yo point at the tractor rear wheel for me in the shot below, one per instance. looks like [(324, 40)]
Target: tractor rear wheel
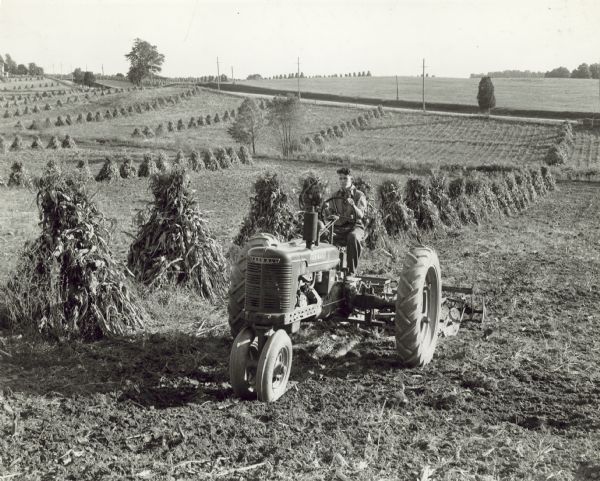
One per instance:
[(418, 307), (274, 366), (237, 286)]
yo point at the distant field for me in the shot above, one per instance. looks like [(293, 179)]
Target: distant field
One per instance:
[(538, 94), (400, 141), (586, 152), (22, 86), (115, 83), (94, 104), (422, 141), (118, 131)]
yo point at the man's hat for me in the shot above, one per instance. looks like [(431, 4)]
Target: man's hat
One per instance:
[(344, 171)]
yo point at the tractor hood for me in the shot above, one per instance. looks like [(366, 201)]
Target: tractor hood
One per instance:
[(317, 258)]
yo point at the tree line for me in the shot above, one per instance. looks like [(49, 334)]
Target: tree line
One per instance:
[(13, 68), (510, 74), (582, 71), (301, 75)]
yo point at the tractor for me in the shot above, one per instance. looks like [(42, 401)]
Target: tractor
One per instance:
[(275, 286)]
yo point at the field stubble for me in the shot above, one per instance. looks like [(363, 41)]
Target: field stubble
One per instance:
[(21, 86), (117, 132), (434, 141), (512, 399), (586, 152)]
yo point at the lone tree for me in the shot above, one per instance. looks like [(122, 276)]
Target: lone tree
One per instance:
[(485, 95), (89, 78), (144, 60), (248, 124), (285, 114), (78, 76)]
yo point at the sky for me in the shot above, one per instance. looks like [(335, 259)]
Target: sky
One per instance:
[(456, 37)]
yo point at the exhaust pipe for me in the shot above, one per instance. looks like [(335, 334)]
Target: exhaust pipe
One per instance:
[(311, 228)]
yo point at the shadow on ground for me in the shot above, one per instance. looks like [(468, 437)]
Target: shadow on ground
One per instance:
[(173, 368), (160, 370)]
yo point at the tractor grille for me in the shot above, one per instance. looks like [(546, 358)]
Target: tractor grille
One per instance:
[(268, 287)]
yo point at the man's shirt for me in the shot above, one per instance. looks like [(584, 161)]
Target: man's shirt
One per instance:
[(349, 216)]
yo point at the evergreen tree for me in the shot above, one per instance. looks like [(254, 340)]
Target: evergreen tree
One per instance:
[(485, 95)]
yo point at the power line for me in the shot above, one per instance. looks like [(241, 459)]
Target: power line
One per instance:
[(191, 20), (218, 76), (298, 78), (423, 88)]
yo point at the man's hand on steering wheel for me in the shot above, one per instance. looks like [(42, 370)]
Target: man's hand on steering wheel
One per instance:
[(325, 204), (331, 219)]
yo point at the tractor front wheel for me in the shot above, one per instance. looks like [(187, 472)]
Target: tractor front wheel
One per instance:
[(243, 362), (418, 307), (237, 286), (274, 367)]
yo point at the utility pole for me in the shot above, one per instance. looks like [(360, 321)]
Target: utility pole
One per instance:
[(299, 78), (397, 98), (423, 90), (103, 70), (218, 76), (232, 78)]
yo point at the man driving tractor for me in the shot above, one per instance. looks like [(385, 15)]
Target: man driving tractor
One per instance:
[(278, 285), (349, 205)]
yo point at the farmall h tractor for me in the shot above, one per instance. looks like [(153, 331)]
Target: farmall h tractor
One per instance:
[(276, 286)]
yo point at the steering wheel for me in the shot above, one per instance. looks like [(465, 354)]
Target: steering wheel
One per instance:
[(325, 202), (328, 227)]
